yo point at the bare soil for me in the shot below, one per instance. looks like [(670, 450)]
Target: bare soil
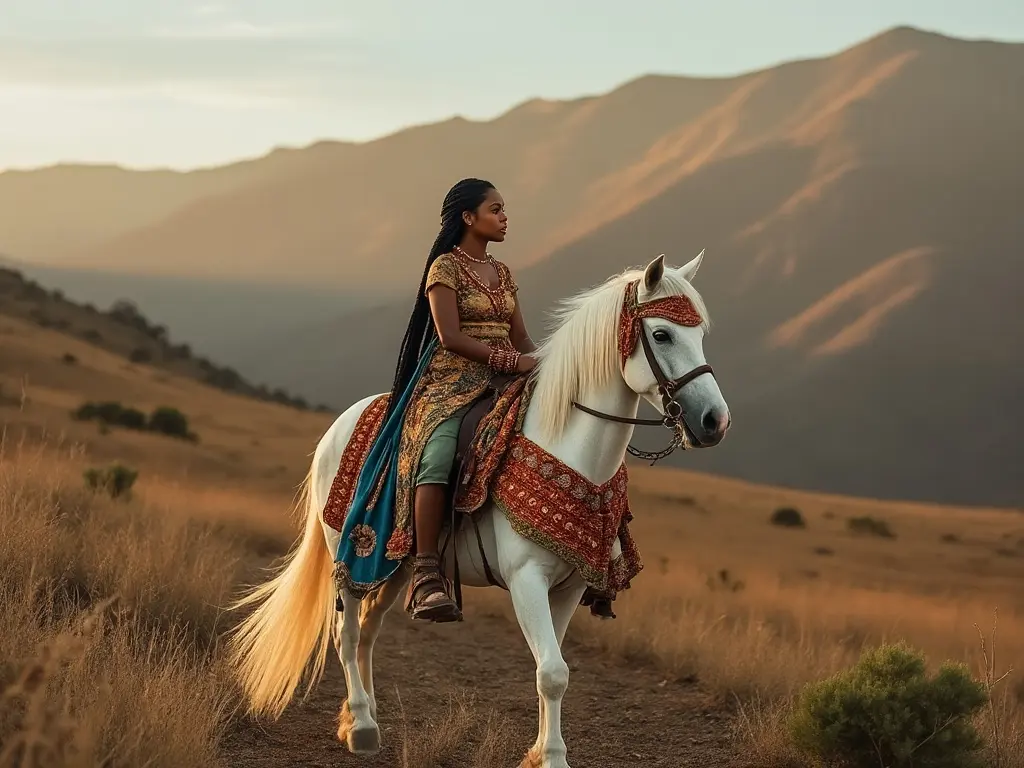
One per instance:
[(614, 714)]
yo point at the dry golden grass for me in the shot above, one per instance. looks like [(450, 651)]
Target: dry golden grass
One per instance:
[(458, 724), (110, 620), (754, 610)]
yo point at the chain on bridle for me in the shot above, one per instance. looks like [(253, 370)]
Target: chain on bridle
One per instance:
[(678, 309)]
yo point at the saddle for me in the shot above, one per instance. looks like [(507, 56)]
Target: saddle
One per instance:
[(463, 465), (462, 470)]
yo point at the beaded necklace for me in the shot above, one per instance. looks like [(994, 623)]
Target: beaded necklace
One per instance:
[(495, 294)]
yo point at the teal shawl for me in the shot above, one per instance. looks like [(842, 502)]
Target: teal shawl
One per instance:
[(363, 555)]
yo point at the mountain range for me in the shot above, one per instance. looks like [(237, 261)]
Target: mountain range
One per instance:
[(860, 215)]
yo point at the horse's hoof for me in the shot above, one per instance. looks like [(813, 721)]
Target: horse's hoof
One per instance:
[(534, 759), (363, 741)]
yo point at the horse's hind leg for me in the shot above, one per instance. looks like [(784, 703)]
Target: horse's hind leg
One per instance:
[(374, 608), (357, 727)]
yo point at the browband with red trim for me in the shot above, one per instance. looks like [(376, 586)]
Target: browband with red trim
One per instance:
[(675, 309)]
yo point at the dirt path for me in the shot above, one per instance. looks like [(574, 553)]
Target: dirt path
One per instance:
[(613, 715)]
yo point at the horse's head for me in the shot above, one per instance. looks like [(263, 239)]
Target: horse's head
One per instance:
[(661, 343)]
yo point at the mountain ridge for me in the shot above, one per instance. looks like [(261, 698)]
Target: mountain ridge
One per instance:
[(857, 211)]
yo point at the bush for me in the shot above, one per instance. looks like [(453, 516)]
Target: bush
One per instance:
[(885, 710), (788, 517), (170, 421), (164, 420), (113, 413), (870, 526), (69, 359), (140, 355), (116, 480)]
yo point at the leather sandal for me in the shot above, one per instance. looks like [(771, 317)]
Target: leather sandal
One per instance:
[(428, 593)]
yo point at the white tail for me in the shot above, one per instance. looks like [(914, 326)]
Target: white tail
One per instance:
[(295, 612)]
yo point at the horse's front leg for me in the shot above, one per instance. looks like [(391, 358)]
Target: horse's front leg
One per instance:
[(356, 727), (563, 605), (529, 587)]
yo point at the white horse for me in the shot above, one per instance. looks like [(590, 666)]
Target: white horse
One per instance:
[(579, 363)]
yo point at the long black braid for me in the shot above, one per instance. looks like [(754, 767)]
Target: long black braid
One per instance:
[(466, 195)]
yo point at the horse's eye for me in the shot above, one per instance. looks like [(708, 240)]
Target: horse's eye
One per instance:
[(662, 337)]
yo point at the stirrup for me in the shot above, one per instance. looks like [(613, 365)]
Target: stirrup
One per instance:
[(430, 605)]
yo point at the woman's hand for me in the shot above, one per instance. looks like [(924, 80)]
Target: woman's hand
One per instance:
[(525, 364)]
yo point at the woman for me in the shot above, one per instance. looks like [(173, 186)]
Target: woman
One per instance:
[(467, 300), (466, 325)]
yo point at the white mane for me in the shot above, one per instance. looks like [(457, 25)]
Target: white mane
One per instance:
[(581, 353)]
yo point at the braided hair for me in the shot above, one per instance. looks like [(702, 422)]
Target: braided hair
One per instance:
[(466, 195)]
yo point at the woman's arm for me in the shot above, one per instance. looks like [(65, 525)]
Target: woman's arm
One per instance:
[(518, 334), (444, 307)]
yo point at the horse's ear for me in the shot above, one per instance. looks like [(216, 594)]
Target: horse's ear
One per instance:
[(653, 274), (689, 270)]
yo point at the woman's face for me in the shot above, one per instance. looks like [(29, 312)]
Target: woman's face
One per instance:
[(489, 221)]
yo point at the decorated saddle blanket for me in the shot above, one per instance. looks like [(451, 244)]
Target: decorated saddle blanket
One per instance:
[(559, 509), (544, 500)]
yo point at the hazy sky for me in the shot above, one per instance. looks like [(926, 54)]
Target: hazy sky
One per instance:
[(183, 83)]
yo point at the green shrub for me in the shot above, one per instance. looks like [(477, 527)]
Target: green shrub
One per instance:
[(164, 420), (116, 480), (886, 711), (788, 517), (870, 526), (170, 421), (113, 413)]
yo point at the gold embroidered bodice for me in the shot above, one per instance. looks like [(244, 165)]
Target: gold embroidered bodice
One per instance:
[(484, 312)]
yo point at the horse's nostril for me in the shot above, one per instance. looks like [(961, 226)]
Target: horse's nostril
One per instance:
[(710, 422)]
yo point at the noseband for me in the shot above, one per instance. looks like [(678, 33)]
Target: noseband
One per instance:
[(675, 309)]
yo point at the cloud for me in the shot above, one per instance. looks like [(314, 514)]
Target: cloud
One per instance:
[(223, 95), (127, 62), (209, 9), (239, 29)]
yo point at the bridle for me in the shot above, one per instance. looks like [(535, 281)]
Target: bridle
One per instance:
[(677, 309)]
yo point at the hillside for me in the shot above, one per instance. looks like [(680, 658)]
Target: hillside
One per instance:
[(123, 330), (731, 615), (46, 374), (860, 223)]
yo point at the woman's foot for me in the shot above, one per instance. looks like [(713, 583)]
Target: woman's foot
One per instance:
[(428, 596)]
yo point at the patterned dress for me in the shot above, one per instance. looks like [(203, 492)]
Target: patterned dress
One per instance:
[(450, 380), (373, 504)]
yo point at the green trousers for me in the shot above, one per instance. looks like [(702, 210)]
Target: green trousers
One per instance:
[(438, 456)]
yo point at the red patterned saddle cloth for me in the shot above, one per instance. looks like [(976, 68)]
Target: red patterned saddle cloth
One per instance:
[(543, 499)]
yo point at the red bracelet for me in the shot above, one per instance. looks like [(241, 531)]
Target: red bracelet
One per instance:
[(503, 360)]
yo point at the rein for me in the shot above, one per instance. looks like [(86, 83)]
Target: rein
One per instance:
[(674, 413)]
